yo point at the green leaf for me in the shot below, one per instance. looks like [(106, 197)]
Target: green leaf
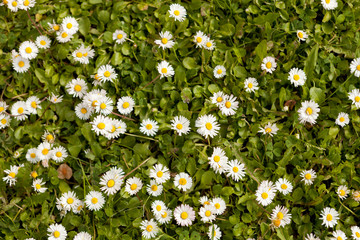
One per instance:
[(311, 60), (190, 63), (260, 49), (317, 94)]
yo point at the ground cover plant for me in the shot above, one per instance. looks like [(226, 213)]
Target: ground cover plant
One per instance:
[(190, 120)]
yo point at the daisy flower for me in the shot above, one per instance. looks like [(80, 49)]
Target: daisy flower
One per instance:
[(308, 176), (207, 213), (235, 170), (214, 232), (355, 67), (356, 196), (3, 106), (270, 129), (183, 181), (56, 232), (342, 119), (308, 112), (55, 99), (88, 53), (199, 39), (21, 64), (251, 84), (70, 25), (4, 121), (219, 204), (283, 186), (97, 80), (38, 185), (33, 103), (329, 217), (165, 41), (354, 96), (11, 175), (13, 5), (54, 27), (119, 36), (48, 137), (125, 105), (229, 106), (79, 55), (59, 154), (207, 126), (43, 42), (68, 200), (78, 207), (160, 173), (150, 228), (133, 185), (218, 160), (117, 127), (184, 215), (82, 236), (178, 12), (219, 71), (154, 189), (268, 64), (19, 110), (107, 73), (44, 151), (204, 200), (104, 106), (63, 36), (83, 111), (265, 193), (280, 216), (149, 127), (31, 155), (165, 217), (111, 181), (329, 4), (28, 50), (338, 235), (218, 98), (208, 44), (311, 237), (355, 232), (297, 77), (165, 69), (101, 125), (94, 200), (181, 125), (342, 192), (158, 207), (92, 97), (77, 87), (302, 35)]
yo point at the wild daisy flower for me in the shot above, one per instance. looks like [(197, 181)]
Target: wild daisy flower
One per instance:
[(149, 127), (83, 111), (119, 36), (280, 216), (297, 77), (204, 200), (355, 67), (355, 232), (104, 106), (207, 125), (38, 185), (283, 186), (21, 64), (101, 125), (11, 175), (70, 25), (218, 98), (354, 96), (165, 41), (183, 181), (229, 106), (150, 228), (219, 204), (107, 73), (165, 69), (77, 87), (48, 137), (219, 71), (178, 12), (59, 154), (111, 181), (19, 110), (154, 189), (342, 192), (82, 236), (4, 121), (79, 55), (97, 80), (63, 36), (44, 151), (329, 217), (214, 232), (338, 235), (235, 170), (56, 232), (311, 236), (125, 105), (208, 44), (181, 125), (13, 5), (265, 193), (68, 200), (158, 207), (117, 127), (329, 4), (308, 112), (302, 35), (33, 103), (28, 50), (160, 173), (184, 215), (94, 200), (43, 42), (92, 97), (207, 213), (356, 196), (55, 99), (78, 207), (3, 106), (251, 84), (133, 185), (199, 39), (31, 155), (270, 129), (54, 27), (218, 160), (308, 176), (268, 64), (165, 217), (342, 119)]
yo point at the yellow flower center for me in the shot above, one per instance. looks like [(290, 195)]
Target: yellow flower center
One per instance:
[(107, 74), (20, 110), (342, 119), (83, 110), (113, 128), (70, 200), (94, 103), (64, 35), (357, 99), (159, 174), (217, 205), (2, 109), (56, 27), (235, 169), (339, 238), (182, 181), (12, 174), (208, 44), (208, 126), (79, 54), (208, 213), (133, 186), (164, 70), (97, 77), (42, 42), (119, 36), (14, 4), (250, 85), (219, 99), (177, 12), (21, 64), (296, 77), (300, 34), (283, 186), (158, 208), (329, 217), (309, 111), (126, 105), (358, 67), (154, 188), (77, 88), (33, 104), (164, 40), (280, 215), (58, 154), (357, 234), (268, 65), (277, 222), (69, 25), (32, 155), (3, 121), (56, 234), (34, 174), (308, 176), (179, 126), (199, 39), (45, 151), (149, 228), (228, 104), (216, 158), (49, 137), (206, 203), (101, 125), (327, 1), (264, 195), (103, 106), (342, 192), (184, 215), (37, 186), (268, 130), (110, 183), (148, 126), (164, 215), (85, 54), (94, 200), (5, 2), (219, 71)]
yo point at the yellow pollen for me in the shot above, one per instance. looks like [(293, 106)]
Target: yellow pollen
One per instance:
[(49, 137), (119, 36), (110, 183), (164, 70), (149, 228), (45, 151), (56, 27), (358, 67), (219, 71), (3, 121), (101, 125), (42, 42), (342, 192), (103, 106), (339, 238), (184, 215), (250, 85), (85, 54), (14, 4), (329, 217), (216, 158), (207, 213), (357, 99), (126, 105), (280, 215), (94, 200), (37, 186), (133, 186), (301, 35), (327, 1), (268, 130), (56, 234), (94, 103), (83, 110), (79, 54), (107, 74), (177, 12), (20, 110), (308, 176), (264, 195), (219, 99), (148, 126), (164, 215), (77, 88), (199, 39), (69, 25), (277, 222), (296, 77), (97, 77), (235, 169), (309, 111), (228, 104), (268, 65), (33, 104), (154, 188), (357, 234), (34, 174), (179, 126), (342, 119), (113, 128), (208, 44), (58, 154), (217, 205), (12, 174), (206, 203), (182, 181), (208, 126), (5, 2), (164, 40), (2, 109), (159, 174), (32, 155), (64, 35), (21, 64), (70, 200), (158, 208), (283, 186)]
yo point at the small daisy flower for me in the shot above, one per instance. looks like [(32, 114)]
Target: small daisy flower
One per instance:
[(251, 84), (207, 213), (149, 127), (28, 50), (280, 216), (150, 228), (117, 127), (125, 105), (70, 25), (218, 160), (204, 200), (79, 55), (4, 121), (104, 106), (119, 36), (329, 217), (165, 217), (297, 77), (44, 151), (14, 5), (43, 42), (356, 196), (82, 236), (11, 175), (268, 64), (68, 200), (94, 200), (158, 207), (88, 53), (181, 125), (21, 64), (218, 98), (55, 99), (283, 186), (342, 119), (33, 174), (63, 37), (214, 232), (101, 125), (229, 106), (184, 215), (265, 193), (219, 204), (270, 129), (329, 4), (111, 181), (311, 236), (355, 67), (338, 235), (309, 112), (107, 73), (354, 96), (31, 155), (83, 111), (154, 189), (219, 71), (160, 173), (38, 185), (342, 192), (48, 137), (19, 110), (302, 35), (209, 44), (235, 170), (355, 232), (207, 126), (59, 154), (183, 181), (199, 39), (56, 232), (308, 176), (165, 69), (3, 107), (92, 97), (33, 103), (54, 27), (97, 80), (78, 207), (165, 41), (178, 12), (133, 185), (77, 87)]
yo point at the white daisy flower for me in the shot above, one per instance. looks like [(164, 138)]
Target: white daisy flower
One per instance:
[(43, 42), (251, 84), (44, 151), (207, 126), (183, 181), (83, 111), (204, 200), (149, 127), (4, 121), (125, 105), (268, 64), (119, 36), (229, 106), (54, 27), (302, 35), (70, 25), (207, 213), (150, 228), (355, 232), (214, 232), (308, 112), (184, 215), (82, 236), (28, 50), (3, 106), (283, 186), (63, 37), (178, 12), (219, 71), (55, 99), (181, 125), (111, 181), (209, 44), (13, 5), (329, 217), (48, 137), (133, 185), (38, 185), (165, 41), (354, 96), (265, 193), (165, 69), (21, 64), (97, 80), (235, 170), (59, 154), (31, 155), (104, 106), (219, 204), (154, 189), (308, 176), (33, 103), (107, 73), (158, 207), (78, 207), (218, 160), (280, 216), (117, 127), (218, 98), (356, 196), (79, 55), (101, 125), (88, 53), (270, 129), (94, 200), (338, 235), (165, 217), (77, 87), (342, 192), (342, 119), (56, 232), (329, 4), (160, 173), (311, 236), (199, 39), (355, 67), (19, 110), (297, 77), (68, 200), (11, 175), (92, 97)]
